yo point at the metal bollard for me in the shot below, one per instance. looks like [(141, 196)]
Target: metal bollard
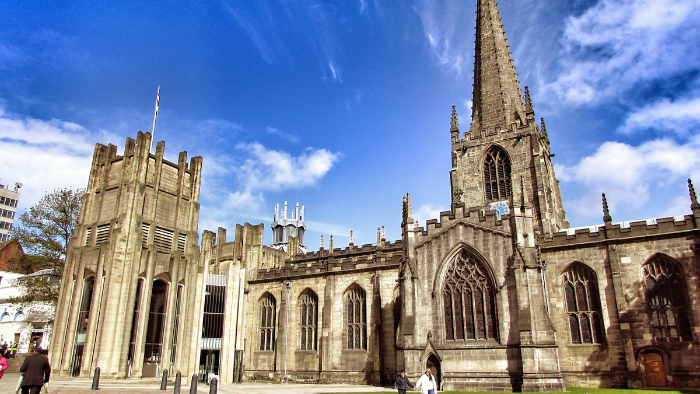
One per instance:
[(213, 386), (193, 385), (96, 379), (178, 376), (164, 380)]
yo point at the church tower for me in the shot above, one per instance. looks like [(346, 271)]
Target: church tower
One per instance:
[(504, 142)]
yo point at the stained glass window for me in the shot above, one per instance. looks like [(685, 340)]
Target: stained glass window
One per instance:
[(357, 318), (583, 305), (665, 294), (468, 297)]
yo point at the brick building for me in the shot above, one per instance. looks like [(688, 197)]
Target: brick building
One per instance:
[(497, 294)]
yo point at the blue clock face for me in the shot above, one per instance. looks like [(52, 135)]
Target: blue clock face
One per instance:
[(501, 207)]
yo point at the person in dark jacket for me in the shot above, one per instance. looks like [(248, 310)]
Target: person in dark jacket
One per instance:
[(36, 370), (402, 383)]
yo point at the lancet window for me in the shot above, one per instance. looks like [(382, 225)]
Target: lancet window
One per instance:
[(665, 295), (356, 312), (308, 303), (497, 175), (267, 322), (583, 305), (468, 299)]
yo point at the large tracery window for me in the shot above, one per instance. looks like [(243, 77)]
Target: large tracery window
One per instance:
[(308, 302), (665, 294), (497, 175), (267, 322), (356, 318), (468, 296), (583, 305)]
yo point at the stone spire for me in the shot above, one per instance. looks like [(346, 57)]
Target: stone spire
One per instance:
[(351, 243), (497, 96), (330, 244), (407, 211), (454, 126), (321, 246), (528, 102), (544, 128), (606, 213), (379, 236), (694, 205)]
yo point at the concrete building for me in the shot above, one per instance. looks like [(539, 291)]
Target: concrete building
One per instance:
[(8, 208), (498, 293)]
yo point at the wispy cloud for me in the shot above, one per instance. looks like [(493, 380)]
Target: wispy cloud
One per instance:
[(427, 212), (442, 28), (680, 116), (617, 46), (279, 133)]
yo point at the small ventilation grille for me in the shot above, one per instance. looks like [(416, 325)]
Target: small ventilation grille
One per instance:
[(88, 236), (182, 238), (145, 228), (102, 234), (163, 239)]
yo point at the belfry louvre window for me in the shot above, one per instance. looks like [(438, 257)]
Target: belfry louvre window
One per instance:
[(267, 322), (583, 305), (163, 238), (665, 294), (88, 236), (468, 299), (308, 303), (181, 242), (145, 229), (497, 175), (102, 235), (356, 312)]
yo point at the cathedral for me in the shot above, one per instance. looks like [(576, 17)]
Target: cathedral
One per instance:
[(498, 293)]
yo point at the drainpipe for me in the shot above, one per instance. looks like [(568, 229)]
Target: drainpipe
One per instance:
[(288, 285)]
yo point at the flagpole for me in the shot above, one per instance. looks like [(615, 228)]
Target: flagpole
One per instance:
[(155, 115)]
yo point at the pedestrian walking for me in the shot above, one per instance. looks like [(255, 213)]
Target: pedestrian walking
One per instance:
[(36, 371), (402, 383), (427, 383), (3, 363)]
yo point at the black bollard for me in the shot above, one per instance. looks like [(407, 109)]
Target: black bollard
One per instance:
[(178, 376), (213, 386), (193, 385), (96, 379), (164, 380)]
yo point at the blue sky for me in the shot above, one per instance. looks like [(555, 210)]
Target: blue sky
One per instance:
[(345, 106)]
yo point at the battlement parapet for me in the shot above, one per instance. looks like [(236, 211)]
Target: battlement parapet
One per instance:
[(475, 216), (620, 231)]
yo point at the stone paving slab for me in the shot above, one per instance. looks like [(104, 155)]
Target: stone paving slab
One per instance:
[(151, 386)]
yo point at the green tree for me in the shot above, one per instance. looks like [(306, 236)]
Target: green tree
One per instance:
[(44, 231)]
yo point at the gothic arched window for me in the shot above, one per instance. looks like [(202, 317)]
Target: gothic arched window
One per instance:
[(497, 175), (583, 305), (308, 303), (356, 312), (267, 322), (665, 294), (468, 296)]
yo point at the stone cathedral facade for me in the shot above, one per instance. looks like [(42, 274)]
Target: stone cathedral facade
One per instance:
[(498, 293)]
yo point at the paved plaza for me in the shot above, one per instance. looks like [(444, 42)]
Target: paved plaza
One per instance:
[(151, 386)]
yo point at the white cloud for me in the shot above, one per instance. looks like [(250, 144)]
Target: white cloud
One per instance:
[(680, 116), (45, 155), (627, 173), (427, 212), (271, 170), (618, 45)]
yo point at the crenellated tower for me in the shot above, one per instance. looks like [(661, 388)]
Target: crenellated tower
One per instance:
[(284, 227), (504, 143)]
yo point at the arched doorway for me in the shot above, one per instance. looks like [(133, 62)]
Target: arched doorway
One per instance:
[(654, 370), (433, 364)]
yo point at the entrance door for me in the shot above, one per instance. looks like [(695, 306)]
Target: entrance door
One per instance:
[(434, 366), (655, 371)]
